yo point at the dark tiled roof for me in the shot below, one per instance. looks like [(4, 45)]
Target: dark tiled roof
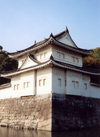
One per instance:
[(55, 37), (75, 48), (90, 70), (60, 34), (35, 45)]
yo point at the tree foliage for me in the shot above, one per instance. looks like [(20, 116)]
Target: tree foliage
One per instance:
[(1, 48), (4, 80), (94, 60), (6, 63)]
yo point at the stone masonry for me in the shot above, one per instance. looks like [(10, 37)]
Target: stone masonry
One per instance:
[(33, 112), (74, 112), (50, 112)]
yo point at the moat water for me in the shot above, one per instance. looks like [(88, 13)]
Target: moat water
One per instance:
[(10, 132)]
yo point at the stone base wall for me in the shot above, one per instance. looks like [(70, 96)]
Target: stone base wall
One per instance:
[(50, 112), (74, 112), (33, 112)]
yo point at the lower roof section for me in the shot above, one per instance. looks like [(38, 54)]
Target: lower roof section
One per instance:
[(76, 68), (53, 62), (19, 71)]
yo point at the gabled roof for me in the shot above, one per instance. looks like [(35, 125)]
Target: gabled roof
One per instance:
[(19, 71), (29, 61), (53, 40), (66, 36)]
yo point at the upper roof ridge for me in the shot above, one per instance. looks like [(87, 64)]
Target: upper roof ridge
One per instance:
[(52, 38), (66, 30)]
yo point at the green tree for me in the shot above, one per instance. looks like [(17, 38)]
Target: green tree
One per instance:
[(94, 60), (1, 48), (6, 63)]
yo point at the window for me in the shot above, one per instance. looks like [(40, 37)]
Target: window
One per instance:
[(44, 81), (59, 82), (43, 55), (26, 84), (40, 81), (16, 87), (61, 55), (75, 59), (75, 84), (85, 86)]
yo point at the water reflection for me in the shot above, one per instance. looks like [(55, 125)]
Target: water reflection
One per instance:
[(9, 132)]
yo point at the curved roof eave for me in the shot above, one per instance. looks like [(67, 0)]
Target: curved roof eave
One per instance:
[(53, 62), (26, 69), (75, 69), (52, 41), (75, 49)]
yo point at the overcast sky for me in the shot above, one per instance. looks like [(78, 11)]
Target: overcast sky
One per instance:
[(24, 21)]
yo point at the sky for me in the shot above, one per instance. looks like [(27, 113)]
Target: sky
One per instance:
[(24, 21)]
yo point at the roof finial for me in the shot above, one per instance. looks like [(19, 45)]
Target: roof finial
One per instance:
[(35, 42), (66, 30), (51, 35)]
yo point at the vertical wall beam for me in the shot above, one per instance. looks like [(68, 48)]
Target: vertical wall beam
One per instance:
[(35, 82), (65, 81)]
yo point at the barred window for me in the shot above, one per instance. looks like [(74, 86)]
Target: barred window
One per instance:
[(85, 86), (59, 82), (44, 82), (26, 84), (16, 87), (40, 82)]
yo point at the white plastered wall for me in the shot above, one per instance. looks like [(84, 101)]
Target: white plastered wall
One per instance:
[(21, 60), (41, 55), (91, 91), (20, 79), (44, 54), (44, 73), (56, 75), (94, 91), (68, 57), (5, 93), (51, 75), (28, 63), (10, 92)]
